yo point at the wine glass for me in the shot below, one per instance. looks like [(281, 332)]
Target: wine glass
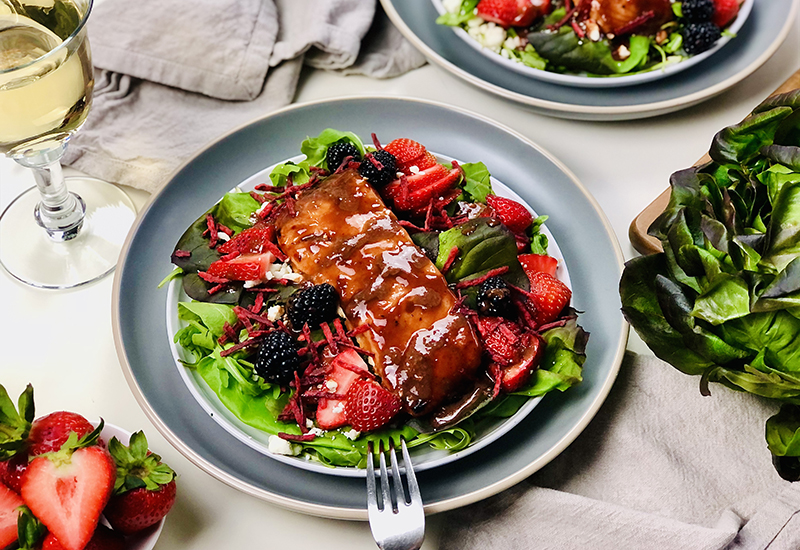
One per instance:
[(51, 237)]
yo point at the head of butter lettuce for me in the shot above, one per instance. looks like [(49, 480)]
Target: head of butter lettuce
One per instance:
[(723, 299)]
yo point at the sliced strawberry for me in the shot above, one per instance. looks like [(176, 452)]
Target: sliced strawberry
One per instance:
[(425, 161), (345, 371), (250, 241), (9, 502), (247, 267), (517, 374), (50, 432), (406, 151), (511, 13), (418, 199), (68, 489), (535, 263), (502, 339), (513, 215), (550, 296), (724, 12), (369, 405), (102, 539)]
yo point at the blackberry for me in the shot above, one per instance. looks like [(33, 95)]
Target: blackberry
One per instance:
[(314, 306), (277, 358), (697, 11), (698, 37), (494, 298), (384, 175), (340, 151)]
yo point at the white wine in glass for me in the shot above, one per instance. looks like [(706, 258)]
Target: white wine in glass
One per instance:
[(51, 237)]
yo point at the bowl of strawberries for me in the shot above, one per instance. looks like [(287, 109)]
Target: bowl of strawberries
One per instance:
[(70, 484)]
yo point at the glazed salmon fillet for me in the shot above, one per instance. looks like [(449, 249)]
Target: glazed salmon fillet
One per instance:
[(611, 15), (342, 234)]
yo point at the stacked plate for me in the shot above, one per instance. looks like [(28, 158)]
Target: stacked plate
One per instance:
[(198, 425), (760, 28)]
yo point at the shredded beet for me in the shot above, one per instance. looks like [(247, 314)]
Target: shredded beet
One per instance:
[(326, 330), (451, 258), (497, 375), (230, 333), (525, 313), (241, 345), (563, 21), (225, 229), (318, 170), (310, 341), (292, 437), (212, 278), (524, 292), (375, 162), (182, 253), (260, 198), (480, 280), (213, 235), (409, 225), (259, 303), (362, 351), (277, 252), (360, 329), (245, 315), (341, 333), (375, 142), (344, 165), (634, 24), (577, 28)]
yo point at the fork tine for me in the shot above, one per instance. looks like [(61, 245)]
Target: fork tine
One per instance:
[(372, 494), (411, 477), (399, 492), (387, 495)]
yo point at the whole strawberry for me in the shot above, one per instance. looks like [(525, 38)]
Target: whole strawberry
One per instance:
[(513, 215), (50, 432), (145, 489), (68, 489), (369, 405)]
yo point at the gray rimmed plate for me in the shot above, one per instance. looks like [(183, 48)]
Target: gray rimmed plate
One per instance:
[(761, 35), (584, 81), (585, 238)]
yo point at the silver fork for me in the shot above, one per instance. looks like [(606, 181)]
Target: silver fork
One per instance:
[(396, 516)]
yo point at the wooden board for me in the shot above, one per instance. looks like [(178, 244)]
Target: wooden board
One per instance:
[(637, 232)]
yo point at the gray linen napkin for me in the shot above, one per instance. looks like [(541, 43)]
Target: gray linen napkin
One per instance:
[(659, 467), (172, 76)]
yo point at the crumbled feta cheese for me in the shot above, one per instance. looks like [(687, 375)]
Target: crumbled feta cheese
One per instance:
[(623, 53), (309, 423), (221, 235), (332, 385), (280, 446), (316, 432), (251, 284), (275, 312), (283, 271), (338, 408), (352, 434), (414, 169), (592, 30), (493, 36), (512, 42), (452, 6)]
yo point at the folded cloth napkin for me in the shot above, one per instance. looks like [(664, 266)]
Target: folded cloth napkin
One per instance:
[(171, 75), (659, 467)]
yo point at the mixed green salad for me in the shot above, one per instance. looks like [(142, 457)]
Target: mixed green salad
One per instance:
[(594, 38), (227, 321), (723, 299)]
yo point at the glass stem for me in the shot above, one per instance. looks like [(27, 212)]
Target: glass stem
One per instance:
[(59, 212)]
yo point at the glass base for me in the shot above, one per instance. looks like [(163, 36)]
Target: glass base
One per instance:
[(31, 256)]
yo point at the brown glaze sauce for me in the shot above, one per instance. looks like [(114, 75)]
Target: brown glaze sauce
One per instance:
[(342, 234)]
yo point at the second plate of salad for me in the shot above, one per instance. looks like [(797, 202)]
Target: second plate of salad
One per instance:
[(607, 43)]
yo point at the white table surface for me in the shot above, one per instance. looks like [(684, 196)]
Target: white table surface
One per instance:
[(61, 341)]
